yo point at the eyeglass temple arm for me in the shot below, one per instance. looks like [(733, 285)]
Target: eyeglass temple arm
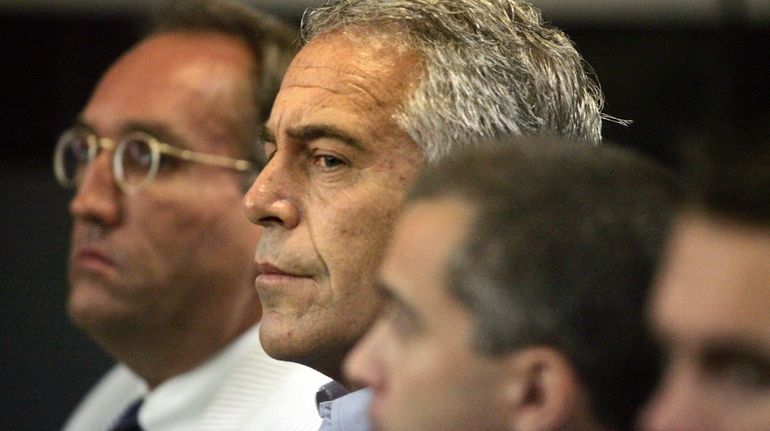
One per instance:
[(208, 159)]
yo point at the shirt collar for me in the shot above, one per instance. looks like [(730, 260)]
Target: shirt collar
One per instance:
[(343, 411), (329, 392)]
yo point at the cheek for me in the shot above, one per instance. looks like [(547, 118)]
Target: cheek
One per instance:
[(159, 241), (350, 235), (185, 228), (425, 391), (364, 219), (748, 415), (169, 223), (187, 208), (417, 365)]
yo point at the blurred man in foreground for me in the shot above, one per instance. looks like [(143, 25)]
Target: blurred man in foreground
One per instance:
[(515, 285), (161, 267), (711, 307), (380, 89)]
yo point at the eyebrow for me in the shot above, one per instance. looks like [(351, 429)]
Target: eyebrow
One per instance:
[(732, 349), (158, 131), (319, 131), (718, 348)]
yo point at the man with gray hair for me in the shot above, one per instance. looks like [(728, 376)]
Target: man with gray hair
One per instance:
[(380, 89)]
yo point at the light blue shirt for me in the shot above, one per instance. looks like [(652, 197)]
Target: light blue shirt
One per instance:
[(343, 411)]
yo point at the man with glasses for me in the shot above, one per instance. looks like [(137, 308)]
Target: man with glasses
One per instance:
[(160, 267)]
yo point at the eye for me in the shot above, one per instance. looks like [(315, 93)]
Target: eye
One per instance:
[(79, 148), (167, 162), (748, 374), (328, 162), (137, 154), (741, 370)]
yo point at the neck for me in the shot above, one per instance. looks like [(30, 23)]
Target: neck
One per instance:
[(330, 365), (158, 354)]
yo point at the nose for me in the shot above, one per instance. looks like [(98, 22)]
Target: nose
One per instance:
[(675, 406), (97, 197), (272, 200), (365, 364)]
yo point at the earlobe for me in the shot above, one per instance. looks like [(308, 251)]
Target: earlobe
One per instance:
[(542, 391)]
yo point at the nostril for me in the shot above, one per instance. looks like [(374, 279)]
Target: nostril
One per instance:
[(264, 221)]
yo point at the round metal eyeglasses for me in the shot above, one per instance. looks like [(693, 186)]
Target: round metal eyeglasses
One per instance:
[(136, 158)]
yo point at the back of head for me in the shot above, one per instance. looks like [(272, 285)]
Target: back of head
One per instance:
[(272, 44), (561, 254), (490, 69)]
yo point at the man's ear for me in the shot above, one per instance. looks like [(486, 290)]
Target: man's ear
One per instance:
[(541, 390)]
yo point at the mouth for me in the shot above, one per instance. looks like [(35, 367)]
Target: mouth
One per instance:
[(271, 276), (91, 259), (272, 270)]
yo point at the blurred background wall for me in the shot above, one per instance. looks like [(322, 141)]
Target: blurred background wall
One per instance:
[(673, 67)]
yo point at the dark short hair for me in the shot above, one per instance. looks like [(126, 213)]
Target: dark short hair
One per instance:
[(272, 43), (561, 253), (727, 172)]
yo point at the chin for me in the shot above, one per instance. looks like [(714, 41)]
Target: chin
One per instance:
[(88, 315), (277, 336), (85, 305), (295, 341), (96, 312)]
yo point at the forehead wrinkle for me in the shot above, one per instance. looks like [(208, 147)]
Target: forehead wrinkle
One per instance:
[(352, 86), (377, 102), (332, 102)]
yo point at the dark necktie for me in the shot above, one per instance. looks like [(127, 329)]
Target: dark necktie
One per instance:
[(129, 420)]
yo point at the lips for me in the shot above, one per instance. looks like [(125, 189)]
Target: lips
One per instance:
[(93, 259), (268, 271), (272, 270), (273, 276)]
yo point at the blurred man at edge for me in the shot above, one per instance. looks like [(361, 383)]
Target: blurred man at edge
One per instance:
[(711, 307)]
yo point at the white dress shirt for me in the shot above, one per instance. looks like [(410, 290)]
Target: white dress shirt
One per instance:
[(240, 388)]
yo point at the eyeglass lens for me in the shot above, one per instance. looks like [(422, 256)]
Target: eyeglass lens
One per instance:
[(75, 151), (137, 160), (134, 161)]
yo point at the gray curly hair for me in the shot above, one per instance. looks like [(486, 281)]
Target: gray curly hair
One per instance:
[(490, 68)]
